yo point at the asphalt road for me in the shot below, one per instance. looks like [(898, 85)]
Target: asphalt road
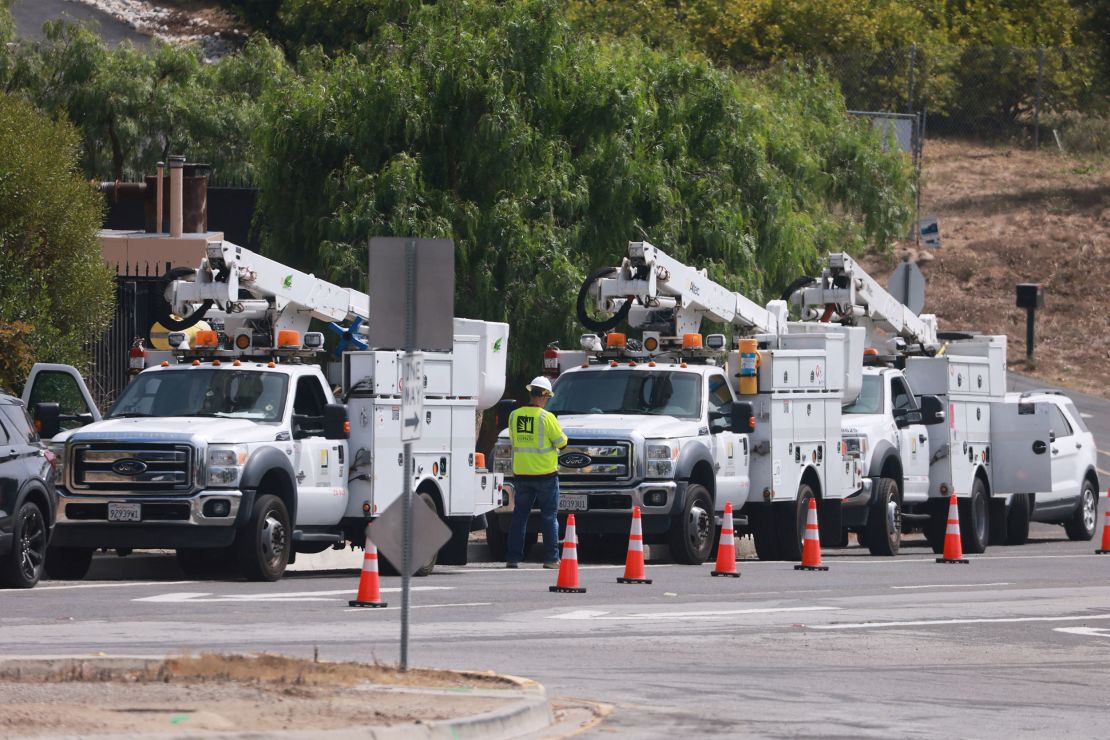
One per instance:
[(1017, 643), (29, 16)]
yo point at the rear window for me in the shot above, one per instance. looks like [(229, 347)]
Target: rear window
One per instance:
[(19, 423)]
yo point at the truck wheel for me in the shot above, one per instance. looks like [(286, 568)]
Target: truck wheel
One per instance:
[(884, 520), (1082, 524), (975, 521), (1017, 519), (791, 522), (262, 546), (691, 533), (68, 563), (23, 566), (197, 562)]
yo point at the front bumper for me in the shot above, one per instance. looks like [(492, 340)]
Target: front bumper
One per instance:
[(608, 510), (166, 521)]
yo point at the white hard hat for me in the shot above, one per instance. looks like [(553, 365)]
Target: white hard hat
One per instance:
[(540, 383)]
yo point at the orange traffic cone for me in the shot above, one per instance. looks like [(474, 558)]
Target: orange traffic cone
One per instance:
[(811, 545), (726, 551), (634, 562), (369, 592), (1105, 549), (953, 546), (567, 582)]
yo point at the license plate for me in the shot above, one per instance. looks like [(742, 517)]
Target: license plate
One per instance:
[(572, 503), (125, 512)]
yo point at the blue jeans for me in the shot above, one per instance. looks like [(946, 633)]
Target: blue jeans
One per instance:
[(530, 491)]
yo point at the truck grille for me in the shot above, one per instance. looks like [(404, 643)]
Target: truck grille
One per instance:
[(131, 467), (583, 461)]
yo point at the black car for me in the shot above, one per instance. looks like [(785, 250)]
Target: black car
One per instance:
[(27, 497)]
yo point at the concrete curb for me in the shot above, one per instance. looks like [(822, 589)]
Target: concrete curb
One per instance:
[(527, 708)]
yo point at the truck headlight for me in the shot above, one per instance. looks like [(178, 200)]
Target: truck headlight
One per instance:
[(855, 447), (59, 450), (660, 460), (225, 465), (503, 457)]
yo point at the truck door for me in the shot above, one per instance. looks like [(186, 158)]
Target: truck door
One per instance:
[(913, 440), (320, 463), (730, 450), (1020, 440), (63, 385)]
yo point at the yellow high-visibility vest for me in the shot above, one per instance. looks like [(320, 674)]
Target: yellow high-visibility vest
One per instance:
[(537, 439)]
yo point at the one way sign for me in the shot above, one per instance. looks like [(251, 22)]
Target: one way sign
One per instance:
[(412, 395)]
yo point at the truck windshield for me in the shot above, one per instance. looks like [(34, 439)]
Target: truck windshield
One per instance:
[(238, 394), (870, 399), (628, 392)]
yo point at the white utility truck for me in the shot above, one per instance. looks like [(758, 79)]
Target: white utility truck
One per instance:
[(239, 453), (932, 418), (679, 427)]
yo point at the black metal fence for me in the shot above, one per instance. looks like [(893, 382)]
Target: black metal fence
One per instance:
[(138, 298)]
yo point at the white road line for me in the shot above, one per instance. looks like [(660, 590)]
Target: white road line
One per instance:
[(1085, 631), (113, 584), (592, 615), (208, 597), (417, 606), (955, 585), (940, 622)]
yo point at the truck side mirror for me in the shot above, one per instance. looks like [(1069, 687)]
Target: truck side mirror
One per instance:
[(932, 411), (47, 420), (336, 425), (906, 418), (743, 418)]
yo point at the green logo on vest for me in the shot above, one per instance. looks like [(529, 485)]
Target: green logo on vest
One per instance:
[(525, 424)]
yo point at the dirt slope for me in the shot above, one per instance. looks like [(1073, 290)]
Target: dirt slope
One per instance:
[(1009, 216)]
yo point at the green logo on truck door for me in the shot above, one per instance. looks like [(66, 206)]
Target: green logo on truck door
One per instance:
[(287, 283)]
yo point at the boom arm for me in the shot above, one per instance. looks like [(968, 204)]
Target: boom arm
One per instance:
[(845, 288), (663, 285), (284, 297)]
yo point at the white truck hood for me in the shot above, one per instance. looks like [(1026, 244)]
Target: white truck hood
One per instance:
[(863, 425), (175, 428), (622, 425)]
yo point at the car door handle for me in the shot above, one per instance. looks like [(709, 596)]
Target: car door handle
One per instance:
[(1078, 445), (1055, 450), (921, 438)]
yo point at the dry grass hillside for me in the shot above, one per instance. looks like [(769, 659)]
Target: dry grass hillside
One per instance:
[(1009, 216)]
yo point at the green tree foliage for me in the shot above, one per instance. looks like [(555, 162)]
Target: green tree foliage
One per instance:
[(134, 107), (51, 272), (542, 152)]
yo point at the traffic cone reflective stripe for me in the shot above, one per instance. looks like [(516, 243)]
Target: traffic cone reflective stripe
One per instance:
[(567, 582), (634, 562), (953, 545), (1105, 549), (726, 550), (811, 545), (369, 589)]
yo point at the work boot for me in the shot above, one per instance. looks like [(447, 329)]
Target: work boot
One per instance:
[(512, 565), (551, 564)]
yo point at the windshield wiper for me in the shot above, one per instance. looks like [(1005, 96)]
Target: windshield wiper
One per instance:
[(127, 415)]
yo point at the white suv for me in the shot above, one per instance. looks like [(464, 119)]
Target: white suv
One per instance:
[(1073, 500)]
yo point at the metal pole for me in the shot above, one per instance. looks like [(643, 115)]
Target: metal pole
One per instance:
[(1037, 105), (406, 559), (1029, 318)]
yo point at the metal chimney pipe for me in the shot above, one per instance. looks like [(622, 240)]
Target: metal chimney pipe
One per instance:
[(158, 201), (176, 164)]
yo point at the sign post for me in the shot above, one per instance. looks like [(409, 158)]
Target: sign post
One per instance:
[(426, 277)]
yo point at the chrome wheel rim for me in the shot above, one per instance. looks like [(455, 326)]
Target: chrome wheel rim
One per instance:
[(894, 521), (32, 544), (273, 540), (1090, 513), (698, 527)]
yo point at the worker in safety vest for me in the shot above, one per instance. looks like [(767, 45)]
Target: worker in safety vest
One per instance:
[(537, 439)]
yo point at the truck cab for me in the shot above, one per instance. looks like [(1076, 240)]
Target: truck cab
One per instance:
[(883, 428), (669, 438)]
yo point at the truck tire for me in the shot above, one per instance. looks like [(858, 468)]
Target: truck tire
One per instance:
[(68, 563), (691, 532), (975, 520), (884, 520), (1017, 519), (262, 546), (938, 522), (1083, 523), (205, 562), (791, 523), (22, 568)]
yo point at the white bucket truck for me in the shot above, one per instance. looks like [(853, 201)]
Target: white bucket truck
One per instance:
[(932, 418), (239, 453), (679, 426)]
